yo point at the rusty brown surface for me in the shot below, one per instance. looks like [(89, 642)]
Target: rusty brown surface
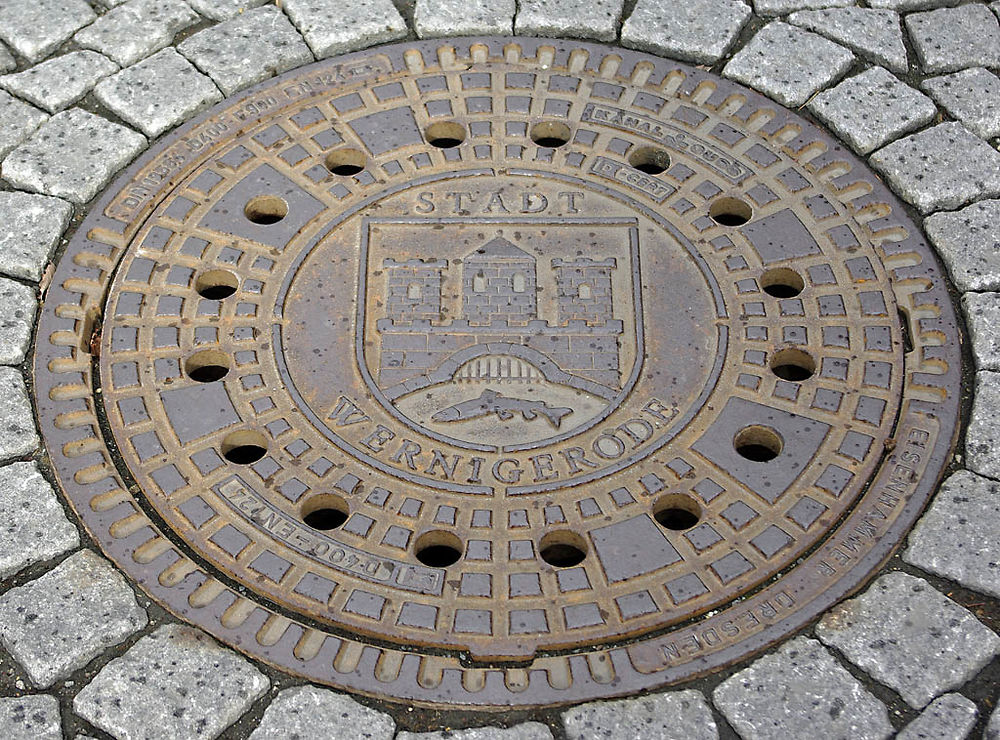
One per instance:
[(492, 373)]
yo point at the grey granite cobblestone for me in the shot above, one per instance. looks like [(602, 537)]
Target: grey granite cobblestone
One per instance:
[(872, 108), (36, 28), (433, 18), (949, 39), (33, 717), (223, 10), (942, 167), (17, 317), (956, 538), (800, 691), (972, 96), (18, 436), (780, 7), (586, 19), (60, 622), (969, 243), (18, 121), (73, 156), (874, 33), (904, 6), (676, 715), (36, 527), (949, 717), (904, 634), (699, 31), (982, 436), (993, 727), (334, 27), (523, 731), (7, 62), (982, 313), (158, 93), (136, 29), (298, 711), (788, 63), (249, 48), (176, 682), (56, 84), (33, 225)]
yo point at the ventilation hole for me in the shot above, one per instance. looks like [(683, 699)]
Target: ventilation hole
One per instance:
[(551, 134), (244, 448), (562, 549), (445, 134), (207, 366), (782, 282), (730, 211), (325, 511), (216, 284), (650, 160), (438, 549), (795, 365), (266, 209), (345, 162), (676, 511), (758, 443)]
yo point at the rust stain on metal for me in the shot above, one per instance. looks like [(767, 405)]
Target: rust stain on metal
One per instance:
[(497, 373)]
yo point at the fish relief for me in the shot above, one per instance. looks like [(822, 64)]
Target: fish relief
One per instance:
[(496, 332)]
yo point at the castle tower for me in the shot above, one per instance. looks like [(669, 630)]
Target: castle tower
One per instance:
[(584, 289), (498, 283), (413, 289)]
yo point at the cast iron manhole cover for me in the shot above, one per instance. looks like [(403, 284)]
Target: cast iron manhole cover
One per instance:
[(498, 373)]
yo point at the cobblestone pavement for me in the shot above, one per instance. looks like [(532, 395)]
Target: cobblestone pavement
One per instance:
[(910, 84)]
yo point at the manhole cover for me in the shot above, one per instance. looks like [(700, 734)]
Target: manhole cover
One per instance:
[(498, 373)]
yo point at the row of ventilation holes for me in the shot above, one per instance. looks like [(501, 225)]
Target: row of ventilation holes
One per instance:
[(561, 548)]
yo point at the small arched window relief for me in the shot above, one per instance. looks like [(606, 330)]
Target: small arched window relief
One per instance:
[(413, 292), (479, 283), (584, 292), (518, 282)]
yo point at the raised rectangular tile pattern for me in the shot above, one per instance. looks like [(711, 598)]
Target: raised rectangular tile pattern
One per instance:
[(910, 637)]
